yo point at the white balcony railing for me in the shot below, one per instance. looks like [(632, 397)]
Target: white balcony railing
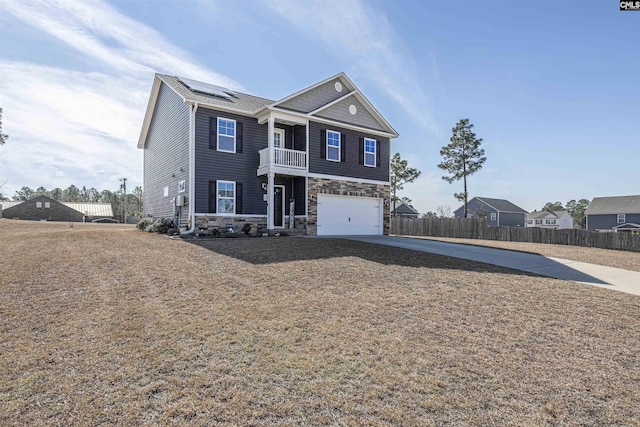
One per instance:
[(284, 157)]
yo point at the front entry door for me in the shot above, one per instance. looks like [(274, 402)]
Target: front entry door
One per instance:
[(278, 206)]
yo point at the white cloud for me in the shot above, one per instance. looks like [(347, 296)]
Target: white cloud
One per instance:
[(101, 32), (364, 36), (67, 126), (81, 127)]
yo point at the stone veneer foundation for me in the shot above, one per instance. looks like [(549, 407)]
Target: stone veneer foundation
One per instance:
[(345, 188), (207, 223)]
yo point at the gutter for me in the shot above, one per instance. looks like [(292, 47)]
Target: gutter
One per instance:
[(192, 168)]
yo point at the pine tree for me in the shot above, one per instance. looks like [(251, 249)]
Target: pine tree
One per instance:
[(462, 157)]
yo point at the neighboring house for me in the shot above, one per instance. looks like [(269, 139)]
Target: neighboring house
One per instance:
[(405, 211), (316, 160), (498, 212), (43, 208), (620, 213), (550, 219)]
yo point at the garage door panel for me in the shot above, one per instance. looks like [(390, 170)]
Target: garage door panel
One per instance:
[(346, 215)]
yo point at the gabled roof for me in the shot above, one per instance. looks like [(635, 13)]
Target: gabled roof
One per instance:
[(614, 205), (545, 214), (249, 105), (627, 226), (499, 205), (349, 90), (89, 209), (405, 209), (541, 215)]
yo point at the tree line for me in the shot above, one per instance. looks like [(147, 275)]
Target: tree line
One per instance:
[(120, 202)]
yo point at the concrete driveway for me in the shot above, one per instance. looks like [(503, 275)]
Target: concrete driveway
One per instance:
[(559, 268)]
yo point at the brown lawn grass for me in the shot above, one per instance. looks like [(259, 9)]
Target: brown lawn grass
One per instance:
[(103, 325)]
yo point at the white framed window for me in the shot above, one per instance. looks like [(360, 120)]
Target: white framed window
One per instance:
[(529, 221), (370, 152), (621, 218), (182, 187), (538, 221), (165, 192), (226, 135), (549, 221), (39, 205), (47, 205), (333, 146), (226, 197), (493, 216)]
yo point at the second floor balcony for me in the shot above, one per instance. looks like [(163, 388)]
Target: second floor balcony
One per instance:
[(283, 161)]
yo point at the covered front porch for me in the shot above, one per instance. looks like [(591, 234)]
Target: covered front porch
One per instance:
[(285, 165)]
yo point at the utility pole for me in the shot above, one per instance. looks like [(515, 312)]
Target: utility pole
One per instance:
[(123, 187)]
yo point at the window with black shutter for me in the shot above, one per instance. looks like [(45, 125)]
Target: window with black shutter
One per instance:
[(213, 196)]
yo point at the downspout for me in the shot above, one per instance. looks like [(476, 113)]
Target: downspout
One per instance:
[(192, 168)]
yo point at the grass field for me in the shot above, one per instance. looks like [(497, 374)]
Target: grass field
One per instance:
[(103, 324)]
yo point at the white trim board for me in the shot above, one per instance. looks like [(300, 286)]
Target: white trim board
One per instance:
[(347, 178)]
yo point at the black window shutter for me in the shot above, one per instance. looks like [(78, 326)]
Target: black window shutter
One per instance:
[(213, 133), (343, 147), (238, 198), (378, 153), (238, 137), (323, 144), (361, 151), (213, 196)]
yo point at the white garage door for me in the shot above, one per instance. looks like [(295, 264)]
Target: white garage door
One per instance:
[(346, 215)]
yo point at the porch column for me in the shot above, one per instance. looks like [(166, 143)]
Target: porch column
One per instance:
[(270, 155), (270, 182)]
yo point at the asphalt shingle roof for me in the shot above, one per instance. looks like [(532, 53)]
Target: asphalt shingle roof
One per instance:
[(614, 205), (403, 208), (502, 205), (237, 101)]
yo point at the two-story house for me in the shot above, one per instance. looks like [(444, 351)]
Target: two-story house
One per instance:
[(316, 160), (498, 212), (556, 220), (617, 213)]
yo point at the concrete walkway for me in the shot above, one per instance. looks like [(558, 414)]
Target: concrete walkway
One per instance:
[(606, 277)]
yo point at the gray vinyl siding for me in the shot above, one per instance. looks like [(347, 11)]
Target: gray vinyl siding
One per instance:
[(607, 222), (166, 155), (238, 167), (512, 219), (351, 167), (473, 206), (316, 98), (300, 193), (294, 188), (300, 138), (340, 112)]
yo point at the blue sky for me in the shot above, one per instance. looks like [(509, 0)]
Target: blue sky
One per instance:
[(551, 87)]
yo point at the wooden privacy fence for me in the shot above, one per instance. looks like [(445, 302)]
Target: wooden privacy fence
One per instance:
[(476, 228)]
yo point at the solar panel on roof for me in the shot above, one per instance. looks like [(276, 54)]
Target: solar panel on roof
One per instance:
[(207, 88)]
